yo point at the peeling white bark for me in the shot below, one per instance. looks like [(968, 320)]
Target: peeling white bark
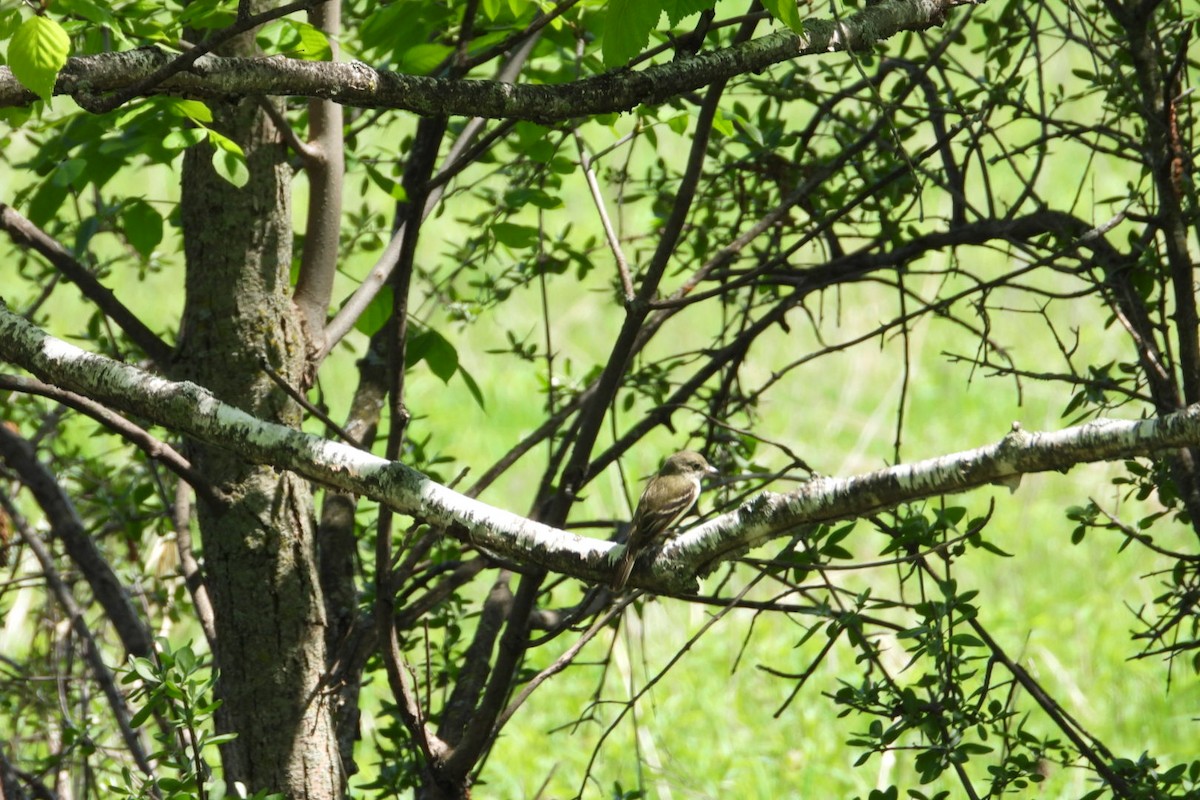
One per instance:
[(189, 409)]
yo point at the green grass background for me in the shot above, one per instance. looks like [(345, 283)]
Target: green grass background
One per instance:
[(708, 729)]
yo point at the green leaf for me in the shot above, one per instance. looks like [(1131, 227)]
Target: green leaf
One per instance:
[(472, 386), (678, 9), (391, 29), (528, 195), (515, 236), (314, 44), (376, 313), (37, 52), (296, 39), (143, 493), (216, 789), (87, 9), (68, 172), (722, 124), (422, 59), (840, 533), (143, 227), (225, 143), (46, 202), (229, 160), (194, 110), (231, 167), (394, 189), (836, 551), (966, 640), (141, 716), (627, 29), (787, 12), (144, 668), (993, 549), (184, 138), (436, 351), (10, 20), (185, 658), (208, 14)]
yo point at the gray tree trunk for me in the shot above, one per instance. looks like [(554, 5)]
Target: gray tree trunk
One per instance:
[(259, 540)]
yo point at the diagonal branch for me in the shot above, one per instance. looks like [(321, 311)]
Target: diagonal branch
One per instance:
[(80, 546), (154, 448), (192, 410), (457, 157), (75, 615), (26, 234)]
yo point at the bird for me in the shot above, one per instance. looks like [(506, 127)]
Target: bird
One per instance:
[(667, 497)]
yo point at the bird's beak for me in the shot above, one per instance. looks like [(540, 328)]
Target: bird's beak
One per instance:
[(712, 470)]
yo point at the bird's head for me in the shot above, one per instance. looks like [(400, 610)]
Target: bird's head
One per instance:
[(687, 462)]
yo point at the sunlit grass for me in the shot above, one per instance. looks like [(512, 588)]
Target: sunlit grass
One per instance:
[(709, 728)]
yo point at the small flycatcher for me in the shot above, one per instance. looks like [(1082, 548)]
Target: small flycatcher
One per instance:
[(668, 496)]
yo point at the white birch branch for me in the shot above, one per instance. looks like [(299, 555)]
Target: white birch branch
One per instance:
[(189, 409)]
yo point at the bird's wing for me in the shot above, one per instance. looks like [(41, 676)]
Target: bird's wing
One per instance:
[(648, 524)]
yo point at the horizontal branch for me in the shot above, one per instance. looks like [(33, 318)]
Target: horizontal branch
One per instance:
[(826, 499), (353, 83), (192, 410)]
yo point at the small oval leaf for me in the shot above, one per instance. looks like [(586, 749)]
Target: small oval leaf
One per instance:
[(37, 52)]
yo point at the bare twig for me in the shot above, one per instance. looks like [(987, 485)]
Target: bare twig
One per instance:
[(145, 441), (610, 235), (95, 659)]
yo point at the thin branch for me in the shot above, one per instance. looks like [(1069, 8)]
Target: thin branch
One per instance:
[(152, 446), (457, 157), (306, 404), (80, 546), (293, 140), (610, 235), (1062, 720), (95, 659), (592, 415), (193, 575), (25, 234), (1145, 540), (480, 734), (520, 38), (560, 663), (662, 673)]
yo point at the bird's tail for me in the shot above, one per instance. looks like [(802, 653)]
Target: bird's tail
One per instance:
[(624, 567)]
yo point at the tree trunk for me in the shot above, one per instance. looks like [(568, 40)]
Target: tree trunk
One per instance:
[(258, 541)]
